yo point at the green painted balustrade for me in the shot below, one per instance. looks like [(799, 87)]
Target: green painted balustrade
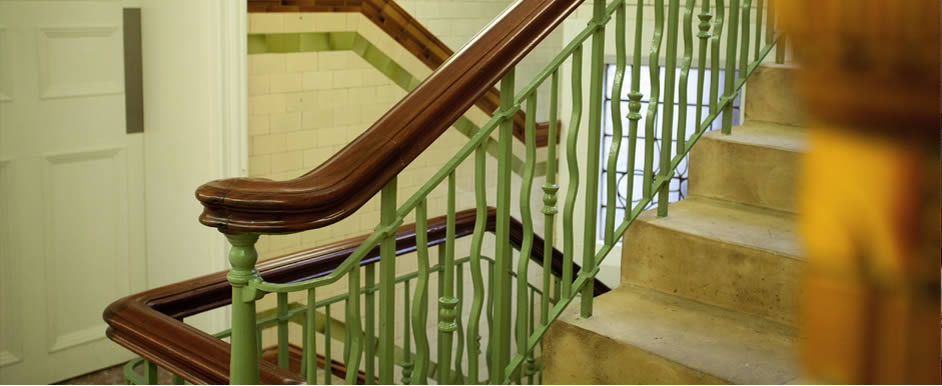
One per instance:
[(515, 312)]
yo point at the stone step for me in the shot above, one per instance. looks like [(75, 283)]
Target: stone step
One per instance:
[(757, 164), (733, 256), (640, 336), (771, 95)]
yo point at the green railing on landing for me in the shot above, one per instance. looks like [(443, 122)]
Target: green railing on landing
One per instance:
[(245, 208), (151, 323)]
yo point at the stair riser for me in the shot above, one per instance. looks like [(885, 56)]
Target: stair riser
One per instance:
[(730, 276), (746, 174), (771, 96)]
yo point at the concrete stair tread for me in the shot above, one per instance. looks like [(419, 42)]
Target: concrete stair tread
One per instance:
[(765, 134), (753, 227), (730, 346)]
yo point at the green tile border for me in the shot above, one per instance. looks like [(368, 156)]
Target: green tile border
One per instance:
[(284, 43)]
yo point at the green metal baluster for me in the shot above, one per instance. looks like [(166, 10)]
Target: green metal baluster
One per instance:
[(615, 147), (558, 291), (458, 377), (477, 280), (500, 337), (420, 299), (654, 69), (704, 36), (310, 338), (282, 330), (347, 333), (634, 105), (150, 372), (178, 380), (352, 318), (328, 361), (369, 307), (670, 62), (549, 202), (490, 314), (573, 164), (531, 359), (440, 271), (549, 197), (526, 247), (406, 338), (593, 149), (770, 23), (387, 282), (304, 350), (243, 362), (730, 77), (744, 50), (684, 76), (759, 9), (447, 302), (715, 55)]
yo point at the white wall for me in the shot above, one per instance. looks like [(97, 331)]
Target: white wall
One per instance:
[(194, 111)]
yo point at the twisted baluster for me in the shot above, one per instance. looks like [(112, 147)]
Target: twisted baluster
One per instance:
[(420, 298), (477, 280), (654, 70), (667, 124), (526, 246), (615, 147), (634, 105), (715, 55), (704, 35), (729, 90), (447, 301), (407, 363), (573, 169), (684, 76)]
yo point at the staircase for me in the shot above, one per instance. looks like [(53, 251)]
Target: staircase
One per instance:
[(709, 292), (708, 286)]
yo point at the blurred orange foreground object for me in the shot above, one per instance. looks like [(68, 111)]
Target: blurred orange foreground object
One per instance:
[(870, 213)]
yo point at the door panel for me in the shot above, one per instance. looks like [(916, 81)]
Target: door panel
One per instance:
[(72, 234)]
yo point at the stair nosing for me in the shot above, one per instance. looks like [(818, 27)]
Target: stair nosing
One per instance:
[(733, 138)]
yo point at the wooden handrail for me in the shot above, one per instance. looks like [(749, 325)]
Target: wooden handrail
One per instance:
[(411, 34), (343, 183), (150, 323)]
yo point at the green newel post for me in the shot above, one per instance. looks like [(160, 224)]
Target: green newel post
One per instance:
[(243, 362)]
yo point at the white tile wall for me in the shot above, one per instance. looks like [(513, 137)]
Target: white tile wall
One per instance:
[(304, 107)]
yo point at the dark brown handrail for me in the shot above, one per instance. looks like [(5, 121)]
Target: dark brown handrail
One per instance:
[(149, 323), (343, 183), (411, 34)]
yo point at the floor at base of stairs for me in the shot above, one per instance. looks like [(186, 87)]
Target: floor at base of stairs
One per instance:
[(112, 376)]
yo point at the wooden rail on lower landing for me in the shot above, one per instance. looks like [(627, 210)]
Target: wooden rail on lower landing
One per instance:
[(411, 34), (150, 323)]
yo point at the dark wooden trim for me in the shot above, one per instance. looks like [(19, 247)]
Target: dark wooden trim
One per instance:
[(295, 356), (405, 29), (343, 183), (149, 323)]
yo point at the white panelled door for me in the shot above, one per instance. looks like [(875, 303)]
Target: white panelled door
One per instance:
[(71, 188)]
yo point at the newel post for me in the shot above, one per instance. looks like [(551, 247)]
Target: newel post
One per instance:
[(243, 359)]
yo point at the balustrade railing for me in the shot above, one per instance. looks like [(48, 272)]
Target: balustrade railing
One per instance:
[(245, 208)]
